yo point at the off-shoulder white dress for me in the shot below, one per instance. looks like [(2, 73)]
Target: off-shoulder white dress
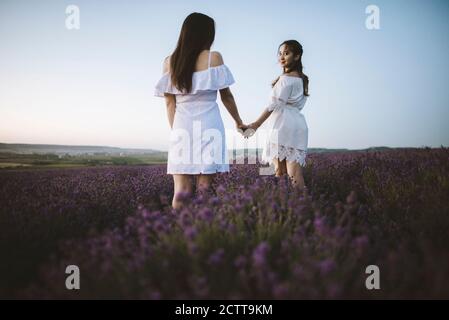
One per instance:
[(287, 128), (197, 138)]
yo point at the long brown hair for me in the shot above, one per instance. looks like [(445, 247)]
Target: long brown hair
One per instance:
[(197, 34), (296, 48)]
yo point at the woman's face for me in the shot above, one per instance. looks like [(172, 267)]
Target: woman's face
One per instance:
[(286, 56)]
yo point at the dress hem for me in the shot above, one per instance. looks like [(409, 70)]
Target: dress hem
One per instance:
[(282, 152)]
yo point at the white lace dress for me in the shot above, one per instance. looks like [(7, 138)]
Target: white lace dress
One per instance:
[(197, 138), (287, 128)]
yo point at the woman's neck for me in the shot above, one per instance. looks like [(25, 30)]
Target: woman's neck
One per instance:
[(291, 72)]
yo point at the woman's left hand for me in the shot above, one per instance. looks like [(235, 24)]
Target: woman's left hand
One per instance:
[(241, 126)]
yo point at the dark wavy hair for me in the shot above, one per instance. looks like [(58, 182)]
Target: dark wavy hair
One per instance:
[(197, 34), (296, 48)]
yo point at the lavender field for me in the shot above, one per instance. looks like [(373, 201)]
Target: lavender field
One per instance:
[(252, 237)]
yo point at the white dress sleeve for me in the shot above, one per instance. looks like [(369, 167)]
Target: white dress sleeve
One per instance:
[(279, 94), (214, 78)]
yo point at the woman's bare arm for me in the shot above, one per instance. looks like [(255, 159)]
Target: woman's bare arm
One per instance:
[(228, 100), (226, 95), (170, 99), (264, 116)]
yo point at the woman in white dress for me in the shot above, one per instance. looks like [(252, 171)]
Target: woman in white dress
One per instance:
[(287, 138), (192, 75)]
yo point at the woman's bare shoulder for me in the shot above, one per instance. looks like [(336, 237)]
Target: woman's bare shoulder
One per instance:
[(216, 59), (166, 64)]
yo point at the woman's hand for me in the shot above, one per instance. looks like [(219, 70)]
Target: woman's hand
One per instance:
[(228, 101), (250, 130), (254, 126), (241, 126), (246, 130)]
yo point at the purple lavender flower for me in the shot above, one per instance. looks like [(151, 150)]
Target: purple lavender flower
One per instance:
[(185, 218), (159, 226), (280, 291), (216, 257), (155, 295), (298, 271), (221, 189), (360, 243), (183, 196), (190, 232), (259, 255), (320, 225), (214, 201), (206, 214), (240, 262), (326, 266)]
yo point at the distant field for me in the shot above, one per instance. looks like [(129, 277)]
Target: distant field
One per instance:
[(12, 165), (14, 160), (13, 156)]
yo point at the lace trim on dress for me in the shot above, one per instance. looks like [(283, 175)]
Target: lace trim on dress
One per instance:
[(283, 152)]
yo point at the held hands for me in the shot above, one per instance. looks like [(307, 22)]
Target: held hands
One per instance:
[(247, 130)]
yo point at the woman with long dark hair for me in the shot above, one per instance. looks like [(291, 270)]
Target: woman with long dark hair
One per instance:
[(192, 75), (287, 139)]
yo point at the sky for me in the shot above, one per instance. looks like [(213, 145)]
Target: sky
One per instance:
[(94, 85)]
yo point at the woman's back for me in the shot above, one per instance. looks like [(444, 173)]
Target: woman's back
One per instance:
[(205, 60), (212, 75)]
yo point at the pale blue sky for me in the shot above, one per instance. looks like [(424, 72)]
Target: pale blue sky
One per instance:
[(94, 86)]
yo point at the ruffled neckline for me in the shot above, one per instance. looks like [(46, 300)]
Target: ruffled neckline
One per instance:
[(199, 71), (286, 76), (213, 78)]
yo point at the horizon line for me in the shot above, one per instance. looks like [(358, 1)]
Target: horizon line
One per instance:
[(149, 148)]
